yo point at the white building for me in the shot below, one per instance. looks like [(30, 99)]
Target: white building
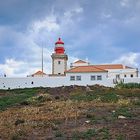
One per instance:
[(80, 73)]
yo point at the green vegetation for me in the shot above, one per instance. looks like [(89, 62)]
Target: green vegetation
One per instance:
[(58, 134), (73, 112), (16, 96), (128, 85), (126, 112), (89, 96), (102, 133), (36, 100), (110, 97), (87, 135), (120, 137)]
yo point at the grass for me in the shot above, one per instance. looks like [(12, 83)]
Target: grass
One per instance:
[(128, 85), (110, 97), (87, 135), (124, 111), (102, 133), (120, 137), (16, 97), (89, 96), (58, 134)]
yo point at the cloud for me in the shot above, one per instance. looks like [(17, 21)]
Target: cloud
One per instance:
[(130, 59), (11, 66), (25, 56), (68, 14), (88, 28), (50, 24), (124, 3)]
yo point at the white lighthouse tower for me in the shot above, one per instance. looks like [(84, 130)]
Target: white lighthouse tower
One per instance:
[(59, 59)]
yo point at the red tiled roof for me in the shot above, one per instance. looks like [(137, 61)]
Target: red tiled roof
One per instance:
[(96, 68), (110, 66), (85, 69), (79, 61), (39, 73)]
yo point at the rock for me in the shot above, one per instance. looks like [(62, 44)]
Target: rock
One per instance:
[(88, 121), (121, 117)]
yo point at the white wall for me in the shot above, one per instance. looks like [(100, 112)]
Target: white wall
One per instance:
[(86, 79), (59, 68), (113, 72), (132, 80), (79, 64), (53, 81), (26, 82)]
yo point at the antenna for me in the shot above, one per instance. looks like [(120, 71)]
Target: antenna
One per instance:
[(42, 60)]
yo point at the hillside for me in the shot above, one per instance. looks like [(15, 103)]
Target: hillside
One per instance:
[(70, 113)]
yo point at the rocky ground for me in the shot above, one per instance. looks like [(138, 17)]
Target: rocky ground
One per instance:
[(70, 113)]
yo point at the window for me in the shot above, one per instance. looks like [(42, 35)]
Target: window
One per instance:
[(72, 78), (125, 75), (78, 78), (93, 77), (59, 62), (59, 73), (131, 75), (99, 77)]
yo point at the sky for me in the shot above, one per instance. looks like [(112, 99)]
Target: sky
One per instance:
[(100, 31)]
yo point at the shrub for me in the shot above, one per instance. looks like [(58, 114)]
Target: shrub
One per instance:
[(24, 103), (84, 135), (89, 115), (39, 99), (58, 134), (124, 102), (122, 111), (109, 97), (15, 137), (104, 132), (137, 102), (128, 85), (120, 137), (18, 121), (88, 134), (57, 97), (16, 96), (88, 96)]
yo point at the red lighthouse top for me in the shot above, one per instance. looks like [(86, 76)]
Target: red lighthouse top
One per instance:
[(59, 41), (59, 47)]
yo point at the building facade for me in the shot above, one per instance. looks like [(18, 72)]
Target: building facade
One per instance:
[(80, 73)]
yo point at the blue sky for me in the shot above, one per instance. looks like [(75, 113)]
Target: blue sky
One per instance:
[(102, 31)]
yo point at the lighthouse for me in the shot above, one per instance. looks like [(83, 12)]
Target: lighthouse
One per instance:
[(59, 59)]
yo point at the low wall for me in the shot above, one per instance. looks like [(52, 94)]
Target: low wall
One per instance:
[(29, 82), (132, 80)]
